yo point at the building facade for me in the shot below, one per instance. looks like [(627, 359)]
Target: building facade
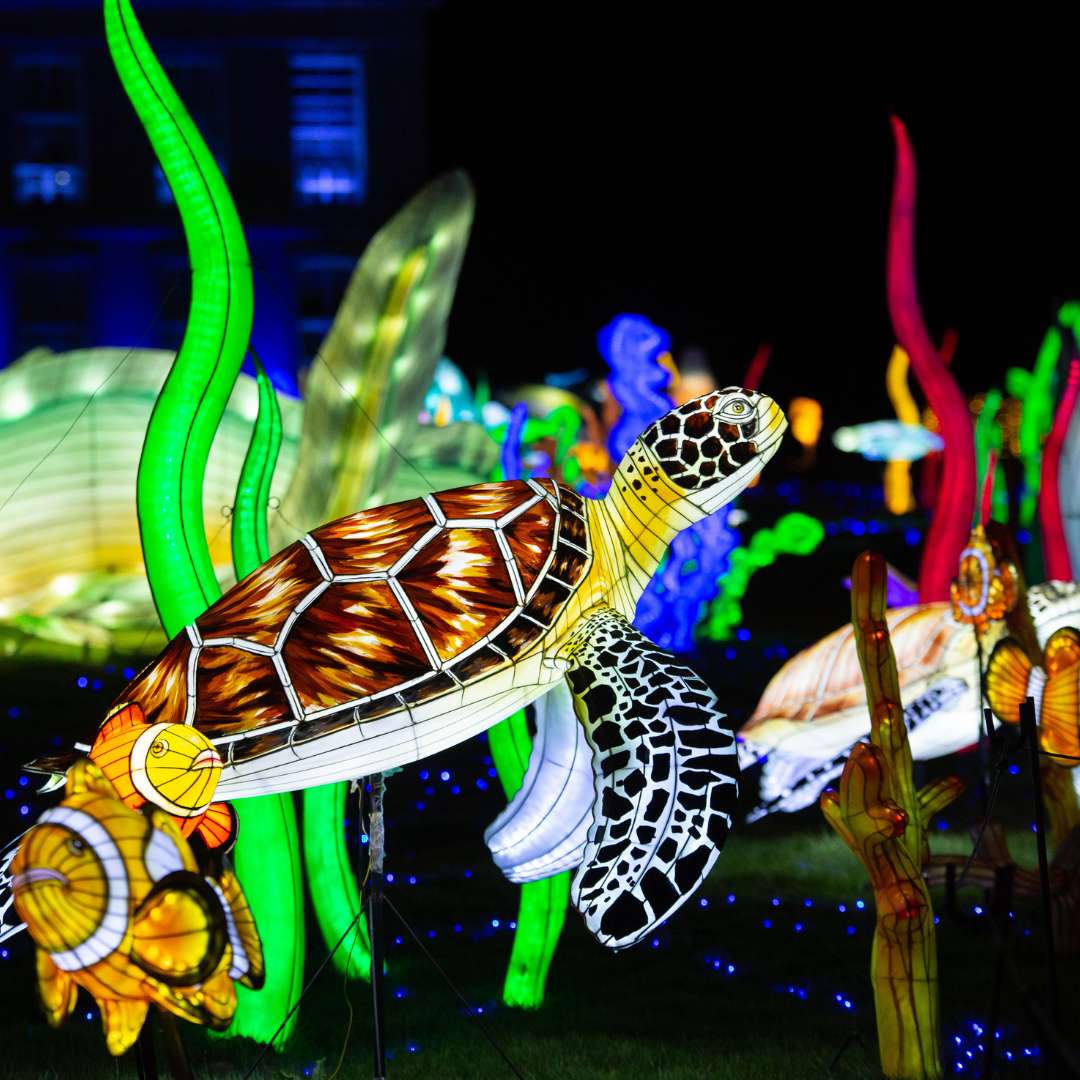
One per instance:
[(315, 111)]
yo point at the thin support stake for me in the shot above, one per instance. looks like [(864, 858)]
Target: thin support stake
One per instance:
[(1028, 725), (375, 918)]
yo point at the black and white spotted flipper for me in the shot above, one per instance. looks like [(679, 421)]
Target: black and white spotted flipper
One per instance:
[(544, 829), (665, 773)]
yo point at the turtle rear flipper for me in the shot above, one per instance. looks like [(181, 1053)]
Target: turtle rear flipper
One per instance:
[(665, 770), (54, 766), (544, 829)]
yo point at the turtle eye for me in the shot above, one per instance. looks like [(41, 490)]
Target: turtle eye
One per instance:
[(76, 845), (739, 408), (159, 747)]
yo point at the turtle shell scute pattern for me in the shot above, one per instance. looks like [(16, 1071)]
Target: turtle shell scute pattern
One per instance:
[(374, 613)]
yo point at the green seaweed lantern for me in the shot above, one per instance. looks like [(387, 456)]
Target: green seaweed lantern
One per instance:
[(173, 462), (793, 534)]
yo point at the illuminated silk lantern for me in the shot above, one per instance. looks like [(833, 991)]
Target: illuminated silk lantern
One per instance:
[(897, 481), (82, 582), (952, 516), (883, 818), (116, 904), (985, 588), (804, 415), (811, 712), (437, 617), (638, 354), (375, 367), (1011, 677)]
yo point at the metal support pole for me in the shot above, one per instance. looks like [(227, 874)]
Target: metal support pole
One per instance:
[(375, 918), (1028, 725)]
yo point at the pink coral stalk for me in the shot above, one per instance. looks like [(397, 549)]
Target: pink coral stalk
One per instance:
[(955, 504)]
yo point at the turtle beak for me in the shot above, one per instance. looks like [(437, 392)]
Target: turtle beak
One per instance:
[(208, 759)]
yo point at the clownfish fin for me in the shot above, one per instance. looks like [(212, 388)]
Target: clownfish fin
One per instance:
[(57, 988), (84, 775), (219, 1001), (179, 932), (219, 827), (122, 1021), (248, 966), (125, 715), (1009, 676), (1060, 715)]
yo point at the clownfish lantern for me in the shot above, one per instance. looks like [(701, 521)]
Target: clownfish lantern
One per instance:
[(116, 904), (172, 766)]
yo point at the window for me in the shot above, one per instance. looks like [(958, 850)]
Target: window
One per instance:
[(51, 302), (321, 282), (328, 128), (199, 79), (48, 121)]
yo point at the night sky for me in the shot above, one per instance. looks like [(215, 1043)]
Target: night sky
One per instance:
[(718, 192)]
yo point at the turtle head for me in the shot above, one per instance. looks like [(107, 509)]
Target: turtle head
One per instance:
[(706, 451)]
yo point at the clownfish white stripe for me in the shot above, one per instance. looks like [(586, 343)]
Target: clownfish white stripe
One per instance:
[(241, 964), (1036, 684), (108, 935), (162, 856)]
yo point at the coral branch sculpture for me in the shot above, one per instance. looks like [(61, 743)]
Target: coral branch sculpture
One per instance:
[(880, 815)]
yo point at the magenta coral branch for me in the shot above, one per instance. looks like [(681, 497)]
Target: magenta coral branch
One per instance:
[(948, 531), (1055, 547)]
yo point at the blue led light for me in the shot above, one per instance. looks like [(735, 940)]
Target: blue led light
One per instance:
[(444, 775), (81, 682)]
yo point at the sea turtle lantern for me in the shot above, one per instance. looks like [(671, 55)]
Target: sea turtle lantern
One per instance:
[(399, 631)]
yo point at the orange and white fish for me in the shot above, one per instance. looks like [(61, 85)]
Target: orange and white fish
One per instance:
[(1055, 686), (115, 903), (171, 766)]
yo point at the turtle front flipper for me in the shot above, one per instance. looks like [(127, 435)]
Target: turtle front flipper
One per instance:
[(665, 771), (544, 829)]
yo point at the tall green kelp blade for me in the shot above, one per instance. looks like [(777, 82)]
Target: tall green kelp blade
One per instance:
[(193, 399), (267, 852)]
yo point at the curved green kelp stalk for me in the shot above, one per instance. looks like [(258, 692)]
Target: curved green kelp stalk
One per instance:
[(194, 396), (1035, 390), (190, 406), (331, 880), (267, 851), (366, 387), (250, 547), (542, 904), (987, 438), (793, 534)]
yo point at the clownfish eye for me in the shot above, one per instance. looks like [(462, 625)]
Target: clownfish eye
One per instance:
[(159, 747), (76, 845)]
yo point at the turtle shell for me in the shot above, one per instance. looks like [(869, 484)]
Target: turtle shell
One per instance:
[(825, 682), (372, 614)]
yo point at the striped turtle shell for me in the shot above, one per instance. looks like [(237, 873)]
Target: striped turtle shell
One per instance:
[(371, 614)]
